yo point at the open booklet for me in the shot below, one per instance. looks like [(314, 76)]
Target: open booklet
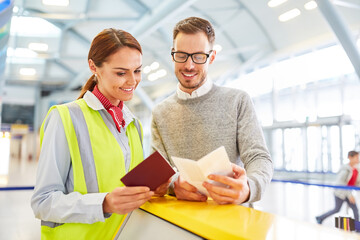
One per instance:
[(196, 172)]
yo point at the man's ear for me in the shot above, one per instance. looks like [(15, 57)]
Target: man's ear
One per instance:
[(212, 56), (172, 50), (92, 66)]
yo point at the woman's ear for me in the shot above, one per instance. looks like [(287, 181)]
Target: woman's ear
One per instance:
[(92, 66)]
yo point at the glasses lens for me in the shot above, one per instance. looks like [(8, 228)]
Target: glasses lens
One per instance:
[(199, 58), (180, 57)]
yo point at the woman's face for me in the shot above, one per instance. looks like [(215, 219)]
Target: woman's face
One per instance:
[(119, 75)]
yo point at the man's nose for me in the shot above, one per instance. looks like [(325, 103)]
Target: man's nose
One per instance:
[(189, 64)]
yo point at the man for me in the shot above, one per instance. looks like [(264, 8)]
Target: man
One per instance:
[(348, 175), (201, 117)]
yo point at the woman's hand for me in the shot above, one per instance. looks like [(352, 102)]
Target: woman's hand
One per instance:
[(123, 200)]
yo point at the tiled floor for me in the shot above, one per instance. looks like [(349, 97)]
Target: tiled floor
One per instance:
[(295, 201)]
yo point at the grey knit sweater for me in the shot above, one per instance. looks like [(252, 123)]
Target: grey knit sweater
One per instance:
[(222, 117)]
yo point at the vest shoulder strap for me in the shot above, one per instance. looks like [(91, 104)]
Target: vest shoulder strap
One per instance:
[(139, 129)]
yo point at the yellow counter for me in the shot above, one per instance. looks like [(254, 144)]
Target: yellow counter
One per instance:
[(212, 221)]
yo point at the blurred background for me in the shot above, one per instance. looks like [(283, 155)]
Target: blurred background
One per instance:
[(298, 59)]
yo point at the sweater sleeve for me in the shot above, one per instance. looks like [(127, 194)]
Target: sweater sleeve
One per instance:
[(253, 151)]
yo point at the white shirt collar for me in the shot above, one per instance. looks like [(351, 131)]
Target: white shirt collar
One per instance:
[(93, 102), (202, 90)]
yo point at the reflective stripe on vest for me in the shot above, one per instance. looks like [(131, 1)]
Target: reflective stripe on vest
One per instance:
[(93, 147)]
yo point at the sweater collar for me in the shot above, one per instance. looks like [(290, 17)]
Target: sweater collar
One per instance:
[(202, 90)]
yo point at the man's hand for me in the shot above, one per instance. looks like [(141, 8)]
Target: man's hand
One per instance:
[(352, 199), (123, 200), (236, 191), (162, 189), (185, 191)]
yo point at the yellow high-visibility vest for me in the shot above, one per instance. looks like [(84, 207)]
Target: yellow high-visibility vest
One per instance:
[(109, 166)]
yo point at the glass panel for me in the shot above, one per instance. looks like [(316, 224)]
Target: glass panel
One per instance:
[(277, 149), (329, 102), (314, 148), (284, 110), (324, 149), (334, 164), (264, 110), (352, 100), (33, 26), (349, 140), (294, 154)]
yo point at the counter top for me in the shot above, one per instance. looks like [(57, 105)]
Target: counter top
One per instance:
[(212, 221)]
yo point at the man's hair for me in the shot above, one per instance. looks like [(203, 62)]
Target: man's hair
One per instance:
[(194, 25), (352, 153)]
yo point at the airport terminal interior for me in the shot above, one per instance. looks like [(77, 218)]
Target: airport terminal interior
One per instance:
[(299, 60)]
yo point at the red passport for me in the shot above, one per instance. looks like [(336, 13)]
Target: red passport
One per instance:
[(152, 172)]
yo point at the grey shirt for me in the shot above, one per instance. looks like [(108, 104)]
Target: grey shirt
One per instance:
[(53, 199), (222, 117)]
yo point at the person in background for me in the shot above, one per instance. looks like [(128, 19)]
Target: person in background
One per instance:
[(201, 116), (88, 145), (347, 176)]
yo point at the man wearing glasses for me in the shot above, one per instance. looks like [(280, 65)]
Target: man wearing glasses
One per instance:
[(201, 116)]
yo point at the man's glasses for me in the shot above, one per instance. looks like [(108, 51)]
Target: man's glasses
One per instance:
[(198, 58)]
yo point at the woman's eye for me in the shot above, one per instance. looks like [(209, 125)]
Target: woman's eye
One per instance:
[(138, 71), (120, 73)]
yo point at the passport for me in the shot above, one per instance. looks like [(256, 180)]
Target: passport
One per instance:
[(152, 172)]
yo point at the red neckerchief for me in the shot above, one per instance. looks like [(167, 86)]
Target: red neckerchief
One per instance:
[(115, 111), (353, 178)]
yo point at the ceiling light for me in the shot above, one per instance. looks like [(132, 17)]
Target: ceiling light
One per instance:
[(161, 73), (21, 53), (15, 9), (27, 71), (310, 5), (217, 47), (41, 47), (289, 15), (152, 77), (147, 69), (154, 65), (275, 3), (59, 3)]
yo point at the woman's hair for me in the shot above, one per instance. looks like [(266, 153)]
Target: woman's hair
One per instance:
[(106, 43), (194, 25)]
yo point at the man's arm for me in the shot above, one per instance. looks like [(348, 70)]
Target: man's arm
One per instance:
[(181, 189), (253, 151)]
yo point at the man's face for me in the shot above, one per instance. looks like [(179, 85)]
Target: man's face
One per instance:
[(354, 160), (191, 75)]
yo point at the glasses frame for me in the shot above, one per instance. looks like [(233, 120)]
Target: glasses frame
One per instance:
[(191, 55)]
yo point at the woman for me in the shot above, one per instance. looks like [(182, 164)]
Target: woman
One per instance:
[(89, 144)]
